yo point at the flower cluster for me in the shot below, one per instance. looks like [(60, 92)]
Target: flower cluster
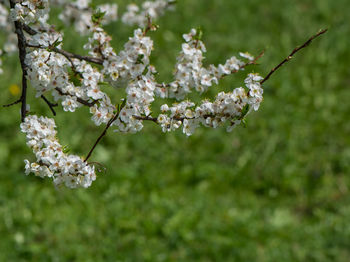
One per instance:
[(3, 17), (79, 13), (131, 62), (252, 82), (140, 95), (51, 160), (10, 45), (229, 107), (46, 70), (190, 72), (99, 43), (102, 109), (30, 11), (139, 16)]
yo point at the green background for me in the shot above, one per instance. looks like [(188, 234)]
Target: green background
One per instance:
[(277, 190)]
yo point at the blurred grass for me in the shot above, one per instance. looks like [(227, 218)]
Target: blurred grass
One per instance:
[(275, 191)]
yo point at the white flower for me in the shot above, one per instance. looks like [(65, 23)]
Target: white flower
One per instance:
[(164, 108), (70, 103), (95, 93), (100, 114), (247, 56)]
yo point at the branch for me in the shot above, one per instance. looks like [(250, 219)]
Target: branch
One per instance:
[(81, 101), (29, 30), (51, 105), (149, 26), (110, 122), (253, 62), (308, 42), (13, 103), (22, 54), (155, 120), (69, 55), (145, 118)]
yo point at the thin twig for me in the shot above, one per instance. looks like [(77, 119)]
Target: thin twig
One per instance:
[(176, 118), (146, 118), (51, 105), (148, 27), (292, 54), (13, 103), (110, 122), (81, 101), (252, 62)]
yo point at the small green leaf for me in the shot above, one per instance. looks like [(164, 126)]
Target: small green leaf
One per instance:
[(123, 104), (65, 149), (245, 111), (97, 16), (74, 78), (244, 123), (199, 34), (56, 43), (139, 59)]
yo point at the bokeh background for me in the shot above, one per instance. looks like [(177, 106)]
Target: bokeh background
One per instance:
[(277, 190)]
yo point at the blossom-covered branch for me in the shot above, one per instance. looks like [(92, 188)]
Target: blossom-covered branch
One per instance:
[(74, 80)]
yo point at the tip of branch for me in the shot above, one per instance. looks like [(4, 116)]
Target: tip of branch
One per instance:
[(261, 54), (13, 103), (297, 49), (321, 32)]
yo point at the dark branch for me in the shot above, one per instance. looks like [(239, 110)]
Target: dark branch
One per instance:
[(149, 26), (22, 54), (308, 42), (253, 62), (90, 59), (51, 105), (146, 118), (29, 30), (81, 101), (14, 103), (110, 122), (69, 55)]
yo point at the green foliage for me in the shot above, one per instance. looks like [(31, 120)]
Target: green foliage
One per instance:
[(274, 191), (97, 16)]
